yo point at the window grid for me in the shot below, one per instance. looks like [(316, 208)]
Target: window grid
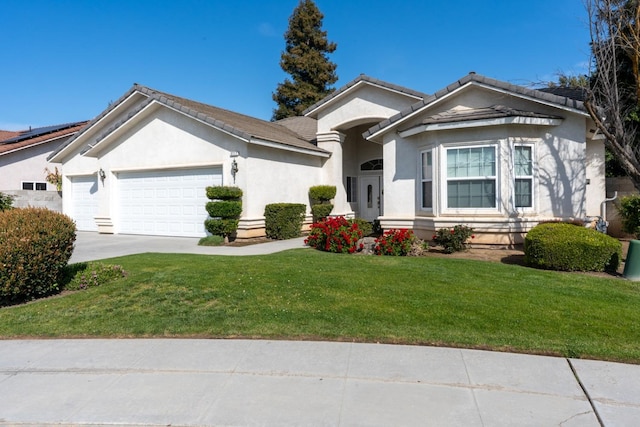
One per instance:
[(523, 185), (427, 179), (471, 177)]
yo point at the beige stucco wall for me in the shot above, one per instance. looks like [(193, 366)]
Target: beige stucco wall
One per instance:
[(27, 164), (560, 154)]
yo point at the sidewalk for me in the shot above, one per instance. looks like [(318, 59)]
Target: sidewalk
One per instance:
[(241, 382)]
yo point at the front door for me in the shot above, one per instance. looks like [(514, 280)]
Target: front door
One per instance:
[(370, 197)]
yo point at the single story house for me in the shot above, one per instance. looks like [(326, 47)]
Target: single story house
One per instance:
[(481, 152), (23, 159)]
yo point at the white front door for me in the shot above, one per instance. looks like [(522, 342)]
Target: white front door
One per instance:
[(370, 197)]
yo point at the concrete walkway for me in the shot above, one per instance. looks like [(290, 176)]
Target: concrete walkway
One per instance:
[(94, 246), (281, 383)]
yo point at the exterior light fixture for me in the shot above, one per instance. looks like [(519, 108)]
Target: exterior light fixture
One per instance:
[(101, 174), (234, 169)]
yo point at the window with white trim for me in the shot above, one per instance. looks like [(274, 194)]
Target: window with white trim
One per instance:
[(426, 179), (523, 167), (471, 177), (352, 189), (39, 186)]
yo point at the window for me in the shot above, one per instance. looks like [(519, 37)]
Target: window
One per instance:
[(352, 189), (471, 177), (372, 165), (39, 186), (523, 186), (427, 179)]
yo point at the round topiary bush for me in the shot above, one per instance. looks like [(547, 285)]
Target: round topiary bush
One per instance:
[(567, 247), (35, 247)]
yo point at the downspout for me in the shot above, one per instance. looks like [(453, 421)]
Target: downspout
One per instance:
[(602, 224)]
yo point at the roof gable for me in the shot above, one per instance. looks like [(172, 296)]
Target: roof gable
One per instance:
[(354, 84), (473, 79), (247, 128)]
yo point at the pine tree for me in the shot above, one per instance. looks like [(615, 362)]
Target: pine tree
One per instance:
[(305, 59)]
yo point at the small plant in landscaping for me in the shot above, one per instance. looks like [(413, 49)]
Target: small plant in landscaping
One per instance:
[(283, 220), (364, 225), (629, 209), (336, 234), (95, 274), (214, 240), (224, 209), (6, 202), (54, 177), (453, 239), (396, 242), (321, 196)]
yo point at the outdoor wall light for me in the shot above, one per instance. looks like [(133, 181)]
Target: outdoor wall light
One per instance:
[(234, 169), (101, 174)]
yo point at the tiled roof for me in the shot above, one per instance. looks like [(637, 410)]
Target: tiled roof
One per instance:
[(578, 94), (365, 78), (493, 112), (560, 101), (11, 141), (306, 127), (245, 127), (237, 124)]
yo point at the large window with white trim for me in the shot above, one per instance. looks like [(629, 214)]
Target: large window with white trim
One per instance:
[(471, 177), (523, 167), (426, 179)]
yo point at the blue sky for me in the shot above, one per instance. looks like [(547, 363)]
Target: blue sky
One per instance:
[(65, 60)]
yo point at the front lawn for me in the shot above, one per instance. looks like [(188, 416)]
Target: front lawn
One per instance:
[(307, 294)]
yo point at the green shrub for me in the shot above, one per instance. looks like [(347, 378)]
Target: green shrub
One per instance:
[(224, 193), (320, 211), (565, 247), (284, 220), (94, 274), (395, 242), (629, 209), (322, 193), (221, 227), (35, 247), (335, 235), (6, 202), (364, 225), (224, 209), (453, 239)]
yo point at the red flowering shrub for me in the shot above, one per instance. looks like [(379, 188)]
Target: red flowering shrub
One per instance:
[(335, 234), (394, 242), (453, 239)]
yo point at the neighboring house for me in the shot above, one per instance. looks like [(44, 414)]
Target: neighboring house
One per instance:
[(23, 159), (494, 156)]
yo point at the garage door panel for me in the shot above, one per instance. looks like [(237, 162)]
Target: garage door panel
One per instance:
[(173, 202)]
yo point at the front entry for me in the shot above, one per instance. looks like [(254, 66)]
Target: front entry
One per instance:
[(370, 197)]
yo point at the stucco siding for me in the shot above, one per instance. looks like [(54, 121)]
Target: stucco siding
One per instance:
[(26, 165), (595, 174)]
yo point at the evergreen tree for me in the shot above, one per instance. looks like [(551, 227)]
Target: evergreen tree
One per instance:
[(305, 59)]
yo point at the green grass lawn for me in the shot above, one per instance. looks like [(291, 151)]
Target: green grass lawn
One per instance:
[(307, 294)]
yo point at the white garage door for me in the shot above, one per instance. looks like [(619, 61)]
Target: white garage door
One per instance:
[(84, 202), (165, 203)]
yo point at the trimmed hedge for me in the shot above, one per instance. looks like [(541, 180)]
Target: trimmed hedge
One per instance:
[(320, 211), (35, 247), (223, 193), (224, 209), (322, 193), (284, 220), (567, 247)]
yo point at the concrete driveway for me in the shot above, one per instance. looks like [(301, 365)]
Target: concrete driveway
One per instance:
[(92, 246)]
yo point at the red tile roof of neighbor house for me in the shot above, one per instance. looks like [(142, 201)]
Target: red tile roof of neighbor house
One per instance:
[(16, 140)]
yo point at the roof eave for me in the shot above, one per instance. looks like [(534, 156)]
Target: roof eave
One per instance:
[(517, 120)]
